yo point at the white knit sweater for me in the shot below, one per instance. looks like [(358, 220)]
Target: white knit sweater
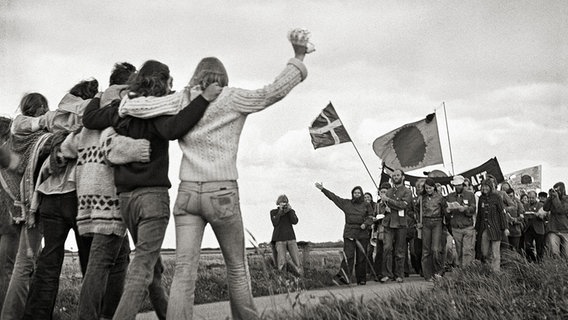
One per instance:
[(210, 148)]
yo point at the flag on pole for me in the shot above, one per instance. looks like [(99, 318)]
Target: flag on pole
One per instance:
[(412, 146), (327, 129), (525, 179)]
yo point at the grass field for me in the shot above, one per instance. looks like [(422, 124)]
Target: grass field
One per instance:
[(521, 290), (211, 285)]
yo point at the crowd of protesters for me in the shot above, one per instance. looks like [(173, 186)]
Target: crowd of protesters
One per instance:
[(98, 164), (433, 233)]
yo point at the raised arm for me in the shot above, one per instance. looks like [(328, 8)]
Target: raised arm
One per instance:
[(249, 101)]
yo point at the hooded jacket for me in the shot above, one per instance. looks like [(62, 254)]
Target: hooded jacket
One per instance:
[(491, 214), (356, 214)]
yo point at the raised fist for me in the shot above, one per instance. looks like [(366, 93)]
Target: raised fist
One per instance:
[(301, 37)]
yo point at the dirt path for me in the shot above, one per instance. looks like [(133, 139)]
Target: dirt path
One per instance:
[(221, 310)]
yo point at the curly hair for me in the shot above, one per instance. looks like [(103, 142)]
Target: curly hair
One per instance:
[(85, 89), (151, 80)]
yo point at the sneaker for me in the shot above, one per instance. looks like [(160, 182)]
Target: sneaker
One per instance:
[(399, 280), (385, 279), (362, 283), (438, 276)]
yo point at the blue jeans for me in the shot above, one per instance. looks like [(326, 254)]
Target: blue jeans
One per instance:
[(394, 238), (58, 216), (146, 212), (291, 247), (28, 250), (557, 244), (8, 250), (217, 203), (491, 251), (432, 247), (104, 281)]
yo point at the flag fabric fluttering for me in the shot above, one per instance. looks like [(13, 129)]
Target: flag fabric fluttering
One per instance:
[(414, 145), (327, 129), (525, 179)]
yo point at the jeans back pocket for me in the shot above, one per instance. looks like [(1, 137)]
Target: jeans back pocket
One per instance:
[(225, 203), (182, 203)]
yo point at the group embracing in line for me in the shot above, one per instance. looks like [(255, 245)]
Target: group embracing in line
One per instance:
[(382, 239), (99, 163)]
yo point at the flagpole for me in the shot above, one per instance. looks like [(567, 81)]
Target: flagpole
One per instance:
[(359, 154), (364, 164), (449, 142)]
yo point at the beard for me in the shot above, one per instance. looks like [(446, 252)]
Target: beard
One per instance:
[(357, 200)]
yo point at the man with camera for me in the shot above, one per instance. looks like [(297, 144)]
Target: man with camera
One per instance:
[(557, 228)]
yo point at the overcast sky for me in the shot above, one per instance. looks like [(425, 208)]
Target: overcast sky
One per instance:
[(501, 68)]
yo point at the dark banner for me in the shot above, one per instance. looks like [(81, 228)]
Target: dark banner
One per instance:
[(476, 175)]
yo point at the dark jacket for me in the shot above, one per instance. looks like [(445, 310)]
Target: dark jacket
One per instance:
[(157, 130), (460, 220), (356, 214), (400, 199), (282, 220), (491, 216), (558, 207), (533, 221), (433, 207)]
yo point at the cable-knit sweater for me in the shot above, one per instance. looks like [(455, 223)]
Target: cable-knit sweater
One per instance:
[(210, 148)]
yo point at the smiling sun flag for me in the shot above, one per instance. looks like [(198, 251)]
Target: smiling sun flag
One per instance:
[(412, 146)]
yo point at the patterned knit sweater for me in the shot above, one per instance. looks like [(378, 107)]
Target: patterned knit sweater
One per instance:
[(99, 210), (210, 148)]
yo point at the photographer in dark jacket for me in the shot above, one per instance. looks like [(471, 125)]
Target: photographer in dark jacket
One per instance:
[(557, 228), (283, 235)]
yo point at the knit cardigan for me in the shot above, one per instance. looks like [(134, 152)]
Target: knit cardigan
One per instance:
[(99, 210), (210, 148)]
